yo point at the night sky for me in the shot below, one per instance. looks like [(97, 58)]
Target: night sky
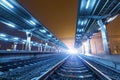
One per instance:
[(59, 16)]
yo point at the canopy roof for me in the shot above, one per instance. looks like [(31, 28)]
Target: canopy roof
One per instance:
[(89, 12), (14, 15)]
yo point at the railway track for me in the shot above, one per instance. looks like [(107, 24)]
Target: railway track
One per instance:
[(29, 68), (20, 63), (74, 68)]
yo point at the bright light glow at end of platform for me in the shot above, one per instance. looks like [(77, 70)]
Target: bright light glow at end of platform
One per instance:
[(72, 51)]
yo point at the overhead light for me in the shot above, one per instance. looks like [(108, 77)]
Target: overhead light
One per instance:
[(9, 24), (49, 35), (6, 4), (46, 44), (2, 35), (112, 18), (16, 38), (54, 38), (28, 32), (93, 34), (6, 39), (80, 30), (88, 3), (43, 31), (79, 22), (90, 37), (24, 40), (99, 29), (82, 23), (36, 43), (78, 35), (40, 44), (31, 42), (32, 22)]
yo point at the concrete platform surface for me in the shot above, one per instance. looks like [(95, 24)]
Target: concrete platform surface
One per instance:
[(112, 61)]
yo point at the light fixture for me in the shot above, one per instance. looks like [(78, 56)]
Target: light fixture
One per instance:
[(82, 23), (46, 44), (43, 31), (32, 22), (80, 30), (6, 39), (6, 4), (112, 18), (79, 22), (31, 42), (88, 3), (99, 29), (24, 40), (9, 24), (2, 35), (49, 35), (78, 35), (36, 43), (16, 38)]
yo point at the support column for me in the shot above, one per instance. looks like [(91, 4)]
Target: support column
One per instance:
[(45, 48), (50, 49), (38, 48), (23, 46), (15, 46), (104, 36), (89, 45), (41, 48), (53, 49), (28, 46)]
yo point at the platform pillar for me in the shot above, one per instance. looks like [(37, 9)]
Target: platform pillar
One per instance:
[(15, 46), (28, 45), (89, 45), (104, 36), (38, 48), (45, 48), (41, 48), (23, 46)]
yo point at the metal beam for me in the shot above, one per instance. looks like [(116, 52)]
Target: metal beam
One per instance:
[(95, 17)]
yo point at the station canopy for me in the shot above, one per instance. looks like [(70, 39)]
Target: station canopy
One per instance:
[(14, 15), (89, 12)]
